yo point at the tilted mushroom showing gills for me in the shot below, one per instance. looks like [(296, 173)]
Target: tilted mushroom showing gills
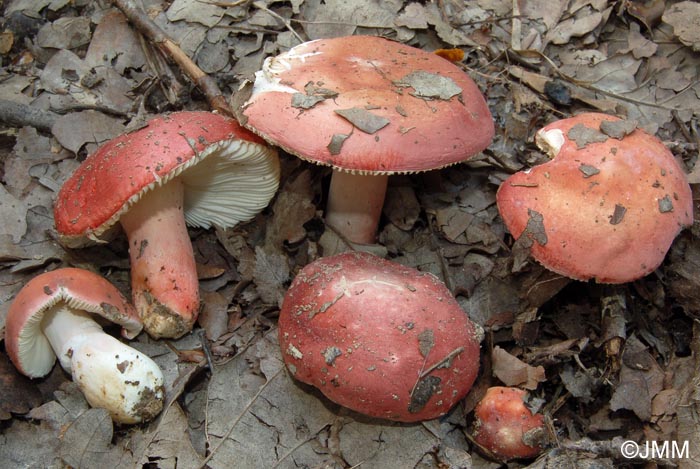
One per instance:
[(606, 207), (368, 107), (52, 316), (194, 168), (379, 338)]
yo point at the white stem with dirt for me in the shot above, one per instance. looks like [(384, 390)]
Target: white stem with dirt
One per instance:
[(110, 374)]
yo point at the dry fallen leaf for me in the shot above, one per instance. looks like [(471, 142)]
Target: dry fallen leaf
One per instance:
[(19, 393), (214, 315), (13, 213), (685, 19), (271, 274), (641, 378), (86, 127), (514, 372), (87, 442)]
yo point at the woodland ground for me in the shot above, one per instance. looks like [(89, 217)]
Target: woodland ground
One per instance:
[(607, 363)]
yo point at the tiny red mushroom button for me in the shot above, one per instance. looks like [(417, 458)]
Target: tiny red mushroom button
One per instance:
[(505, 427)]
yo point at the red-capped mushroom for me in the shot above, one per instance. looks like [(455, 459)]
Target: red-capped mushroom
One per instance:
[(197, 168), (377, 337), (368, 107), (506, 427), (52, 316), (606, 207)]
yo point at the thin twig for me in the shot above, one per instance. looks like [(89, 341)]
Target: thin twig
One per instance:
[(19, 115), (153, 32), (287, 24), (240, 416)]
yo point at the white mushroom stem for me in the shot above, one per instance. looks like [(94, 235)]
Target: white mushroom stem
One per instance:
[(164, 282), (355, 204), (111, 375)]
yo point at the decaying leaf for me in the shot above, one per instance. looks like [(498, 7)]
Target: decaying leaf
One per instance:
[(514, 372), (19, 393), (336, 144), (583, 135), (685, 18), (271, 274), (13, 212), (214, 315), (305, 101), (87, 127), (426, 342), (292, 209), (169, 443), (87, 442), (429, 85), (641, 378), (618, 129), (618, 215), (588, 170), (363, 119)]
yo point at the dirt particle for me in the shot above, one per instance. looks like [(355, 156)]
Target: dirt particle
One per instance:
[(122, 366), (618, 214), (665, 204), (588, 170), (424, 390), (330, 354)]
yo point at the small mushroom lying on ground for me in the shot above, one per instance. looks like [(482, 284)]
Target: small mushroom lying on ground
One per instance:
[(195, 168), (368, 107), (505, 427), (52, 316), (379, 338), (606, 207)]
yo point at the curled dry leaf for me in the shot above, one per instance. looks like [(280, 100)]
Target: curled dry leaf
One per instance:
[(685, 18), (514, 372)]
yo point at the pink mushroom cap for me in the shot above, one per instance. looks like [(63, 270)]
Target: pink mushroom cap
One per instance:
[(506, 427), (188, 168), (434, 114), (606, 207), (27, 347), (377, 337), (121, 171)]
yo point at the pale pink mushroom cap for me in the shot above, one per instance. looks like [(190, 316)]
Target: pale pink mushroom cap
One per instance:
[(368, 107), (229, 175), (53, 316), (604, 208), (27, 346), (505, 426), (436, 116), (378, 337)]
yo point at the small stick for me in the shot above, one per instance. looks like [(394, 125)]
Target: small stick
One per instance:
[(19, 115), (149, 29)]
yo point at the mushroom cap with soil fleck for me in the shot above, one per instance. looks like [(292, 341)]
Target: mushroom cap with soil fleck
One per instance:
[(606, 207), (187, 168), (368, 107), (379, 338), (54, 315), (506, 427)]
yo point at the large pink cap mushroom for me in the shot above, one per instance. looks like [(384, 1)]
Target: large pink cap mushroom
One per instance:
[(368, 107), (606, 207), (195, 168), (53, 316), (379, 338)]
